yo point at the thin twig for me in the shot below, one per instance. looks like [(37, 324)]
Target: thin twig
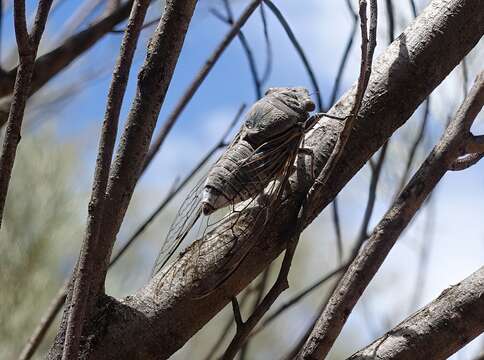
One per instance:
[(196, 82), (259, 289), (413, 7), (228, 19), (346, 53), (300, 52), (337, 230), (427, 242), (145, 25), (376, 168), (298, 297), (237, 315), (391, 20), (82, 296), (334, 94), (370, 205), (268, 67), (45, 322), (295, 349), (27, 48), (388, 230), (226, 329), (367, 49), (244, 330)]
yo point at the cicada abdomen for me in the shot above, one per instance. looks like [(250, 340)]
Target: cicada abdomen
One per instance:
[(259, 159)]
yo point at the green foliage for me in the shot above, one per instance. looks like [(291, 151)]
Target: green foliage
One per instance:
[(39, 235)]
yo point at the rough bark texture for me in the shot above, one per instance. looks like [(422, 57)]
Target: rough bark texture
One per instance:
[(439, 329), (162, 316), (386, 233), (81, 300), (153, 81)]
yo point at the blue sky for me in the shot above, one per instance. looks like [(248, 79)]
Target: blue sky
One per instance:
[(322, 28)]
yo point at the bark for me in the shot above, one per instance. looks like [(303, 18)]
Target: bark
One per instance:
[(52, 63), (27, 45), (162, 316), (439, 329), (386, 233), (153, 81), (82, 301)]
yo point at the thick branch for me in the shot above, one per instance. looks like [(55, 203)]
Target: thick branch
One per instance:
[(162, 316), (439, 329), (82, 300), (388, 230), (153, 80)]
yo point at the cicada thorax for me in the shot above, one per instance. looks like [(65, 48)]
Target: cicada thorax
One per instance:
[(271, 133)]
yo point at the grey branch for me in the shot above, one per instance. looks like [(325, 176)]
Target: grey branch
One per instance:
[(439, 329), (52, 63), (27, 45), (386, 233), (197, 81), (153, 79), (83, 298), (163, 315)]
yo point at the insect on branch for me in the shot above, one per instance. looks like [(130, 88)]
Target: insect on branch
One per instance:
[(281, 282)]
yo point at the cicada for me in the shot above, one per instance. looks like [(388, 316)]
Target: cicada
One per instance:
[(259, 160)]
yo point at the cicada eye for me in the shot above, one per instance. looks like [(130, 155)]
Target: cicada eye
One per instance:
[(309, 105)]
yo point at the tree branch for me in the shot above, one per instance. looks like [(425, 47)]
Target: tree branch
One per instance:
[(439, 329), (27, 45), (368, 44), (50, 64), (165, 313), (197, 81), (82, 299), (388, 230), (153, 81)]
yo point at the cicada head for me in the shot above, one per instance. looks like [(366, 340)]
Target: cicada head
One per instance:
[(297, 98), (278, 111)]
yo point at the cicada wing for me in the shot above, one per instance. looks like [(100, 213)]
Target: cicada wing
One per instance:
[(268, 204), (270, 159), (186, 217)]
